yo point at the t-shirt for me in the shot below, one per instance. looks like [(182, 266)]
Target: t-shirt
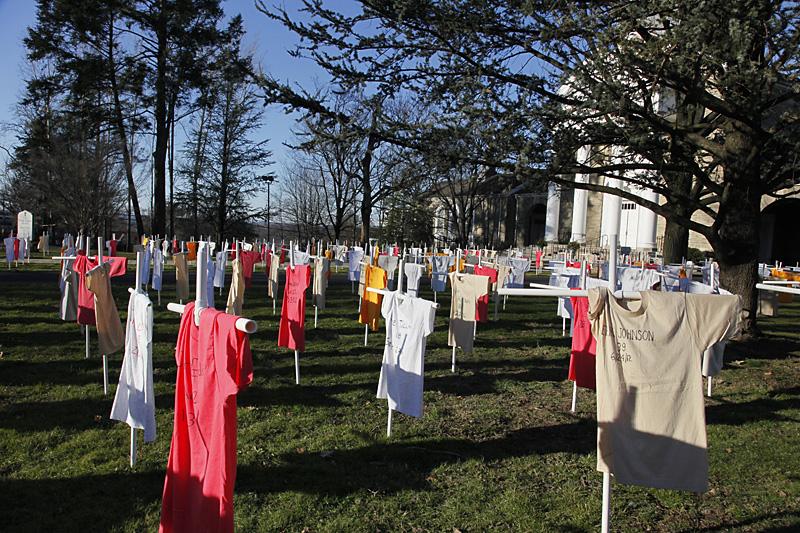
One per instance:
[(248, 260), (117, 266), (219, 270), (354, 258), (389, 264), (584, 348), (413, 274), (181, 275), (134, 402), (439, 266), (650, 411), (192, 248), (110, 335), (409, 321), (371, 301), (466, 289), (9, 243), (291, 331), (482, 310), (519, 265), (321, 270), (158, 268), (272, 284), (236, 292), (210, 269), (214, 364)]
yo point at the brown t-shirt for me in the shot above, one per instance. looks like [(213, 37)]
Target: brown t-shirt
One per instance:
[(466, 289), (181, 276), (236, 294), (650, 411), (110, 335)]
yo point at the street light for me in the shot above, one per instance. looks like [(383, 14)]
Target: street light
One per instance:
[(269, 179)]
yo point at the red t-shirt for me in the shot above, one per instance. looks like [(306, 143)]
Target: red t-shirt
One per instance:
[(482, 303), (112, 245), (584, 347), (538, 259), (291, 331), (214, 364), (16, 249), (81, 266), (249, 260)]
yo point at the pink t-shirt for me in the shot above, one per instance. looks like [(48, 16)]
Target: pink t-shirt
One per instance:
[(291, 331), (482, 304), (214, 364), (584, 347)]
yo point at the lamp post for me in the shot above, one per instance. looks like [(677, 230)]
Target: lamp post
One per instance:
[(269, 179)]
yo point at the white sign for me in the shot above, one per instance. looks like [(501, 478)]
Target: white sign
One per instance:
[(25, 225)]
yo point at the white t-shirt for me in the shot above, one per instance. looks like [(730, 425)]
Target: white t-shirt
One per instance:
[(219, 270), (354, 258), (158, 268), (409, 321), (134, 402), (413, 274), (650, 410)]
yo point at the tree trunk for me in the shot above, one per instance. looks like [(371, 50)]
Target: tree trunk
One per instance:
[(171, 122), (366, 186), (511, 221), (119, 122), (676, 242), (737, 226), (159, 215)]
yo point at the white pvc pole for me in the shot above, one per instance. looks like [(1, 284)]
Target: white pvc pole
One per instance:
[(574, 396), (613, 240), (389, 424), (297, 367), (453, 363), (366, 333), (315, 317), (133, 447), (606, 518), (708, 391)]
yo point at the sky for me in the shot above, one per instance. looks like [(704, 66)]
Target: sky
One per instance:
[(268, 40)]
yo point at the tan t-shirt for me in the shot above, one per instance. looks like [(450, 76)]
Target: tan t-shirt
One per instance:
[(110, 335), (274, 267), (650, 411), (465, 291), (181, 276), (321, 268), (236, 294)]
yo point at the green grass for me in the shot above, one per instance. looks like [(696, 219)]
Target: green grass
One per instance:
[(497, 448)]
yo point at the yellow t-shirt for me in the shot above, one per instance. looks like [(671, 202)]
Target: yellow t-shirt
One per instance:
[(375, 277)]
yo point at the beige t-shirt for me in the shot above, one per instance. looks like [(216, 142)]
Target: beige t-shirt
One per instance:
[(466, 289), (650, 411), (110, 335), (181, 276), (321, 268), (272, 285), (236, 294)]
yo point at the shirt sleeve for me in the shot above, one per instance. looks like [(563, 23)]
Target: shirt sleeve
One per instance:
[(233, 358), (430, 318), (386, 305), (713, 318)]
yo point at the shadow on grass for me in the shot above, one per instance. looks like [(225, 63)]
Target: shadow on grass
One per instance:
[(737, 414), (50, 504), (397, 466), (761, 521)]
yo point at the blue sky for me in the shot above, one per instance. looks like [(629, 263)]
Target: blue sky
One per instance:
[(268, 40)]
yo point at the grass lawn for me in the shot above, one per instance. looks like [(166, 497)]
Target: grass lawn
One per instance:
[(497, 448)]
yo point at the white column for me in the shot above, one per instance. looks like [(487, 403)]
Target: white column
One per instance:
[(646, 230), (612, 206), (580, 199), (553, 212)]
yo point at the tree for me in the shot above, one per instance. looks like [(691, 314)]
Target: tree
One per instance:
[(226, 158), (175, 37), (80, 42), (699, 98)]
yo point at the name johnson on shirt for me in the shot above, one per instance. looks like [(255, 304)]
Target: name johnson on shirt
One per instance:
[(636, 334)]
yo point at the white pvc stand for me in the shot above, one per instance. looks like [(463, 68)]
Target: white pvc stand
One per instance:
[(105, 357)]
